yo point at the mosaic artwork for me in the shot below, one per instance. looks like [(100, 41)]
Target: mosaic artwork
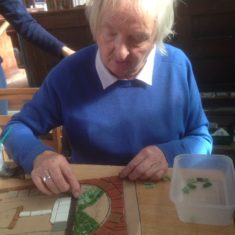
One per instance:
[(99, 210)]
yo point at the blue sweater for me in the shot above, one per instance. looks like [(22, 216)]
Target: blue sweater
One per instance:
[(15, 12), (111, 126)]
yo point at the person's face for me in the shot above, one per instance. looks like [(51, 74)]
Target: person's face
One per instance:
[(125, 41)]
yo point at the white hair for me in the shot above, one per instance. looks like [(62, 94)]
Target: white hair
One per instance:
[(162, 11)]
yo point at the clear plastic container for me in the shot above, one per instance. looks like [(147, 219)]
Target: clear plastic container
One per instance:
[(203, 189)]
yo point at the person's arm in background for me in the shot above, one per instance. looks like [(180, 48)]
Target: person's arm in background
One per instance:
[(16, 13)]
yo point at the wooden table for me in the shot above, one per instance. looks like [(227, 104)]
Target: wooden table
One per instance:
[(157, 213)]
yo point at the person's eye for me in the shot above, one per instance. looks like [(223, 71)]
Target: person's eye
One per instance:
[(112, 34), (139, 38), (109, 32)]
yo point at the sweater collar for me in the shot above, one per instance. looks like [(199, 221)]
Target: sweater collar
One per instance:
[(107, 79)]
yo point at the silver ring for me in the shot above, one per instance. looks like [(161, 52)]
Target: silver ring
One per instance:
[(45, 178)]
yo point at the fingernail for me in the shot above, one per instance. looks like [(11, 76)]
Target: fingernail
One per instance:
[(76, 194)]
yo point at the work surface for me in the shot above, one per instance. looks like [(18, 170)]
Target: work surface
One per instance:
[(156, 213)]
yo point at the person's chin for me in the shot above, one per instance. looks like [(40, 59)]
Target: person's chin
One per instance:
[(119, 69), (118, 73)]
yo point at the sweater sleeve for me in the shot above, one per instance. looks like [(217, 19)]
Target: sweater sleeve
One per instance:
[(15, 12), (196, 138)]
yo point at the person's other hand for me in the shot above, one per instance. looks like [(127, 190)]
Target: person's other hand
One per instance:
[(52, 174), (149, 164), (66, 51)]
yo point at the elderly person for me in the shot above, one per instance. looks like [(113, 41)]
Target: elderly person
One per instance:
[(127, 100)]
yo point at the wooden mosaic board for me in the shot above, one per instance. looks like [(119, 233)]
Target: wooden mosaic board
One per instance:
[(157, 213), (113, 211)]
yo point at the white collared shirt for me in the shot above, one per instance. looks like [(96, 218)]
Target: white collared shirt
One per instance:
[(107, 79)]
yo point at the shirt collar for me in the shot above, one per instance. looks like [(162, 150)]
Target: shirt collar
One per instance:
[(107, 79)]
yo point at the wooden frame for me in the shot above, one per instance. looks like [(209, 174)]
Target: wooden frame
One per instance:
[(23, 95)]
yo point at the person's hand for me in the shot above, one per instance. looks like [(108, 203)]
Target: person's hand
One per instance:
[(52, 174), (66, 51), (149, 164)]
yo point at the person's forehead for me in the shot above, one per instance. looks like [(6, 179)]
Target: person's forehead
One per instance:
[(124, 15)]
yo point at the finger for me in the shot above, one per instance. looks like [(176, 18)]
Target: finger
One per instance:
[(138, 171), (57, 183), (148, 174), (72, 180), (131, 165), (40, 185), (160, 171), (155, 174), (148, 169), (145, 169), (51, 185), (158, 175)]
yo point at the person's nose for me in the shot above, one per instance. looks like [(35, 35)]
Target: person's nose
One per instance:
[(121, 50)]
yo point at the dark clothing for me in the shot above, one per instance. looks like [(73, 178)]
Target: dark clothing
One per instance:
[(15, 12)]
